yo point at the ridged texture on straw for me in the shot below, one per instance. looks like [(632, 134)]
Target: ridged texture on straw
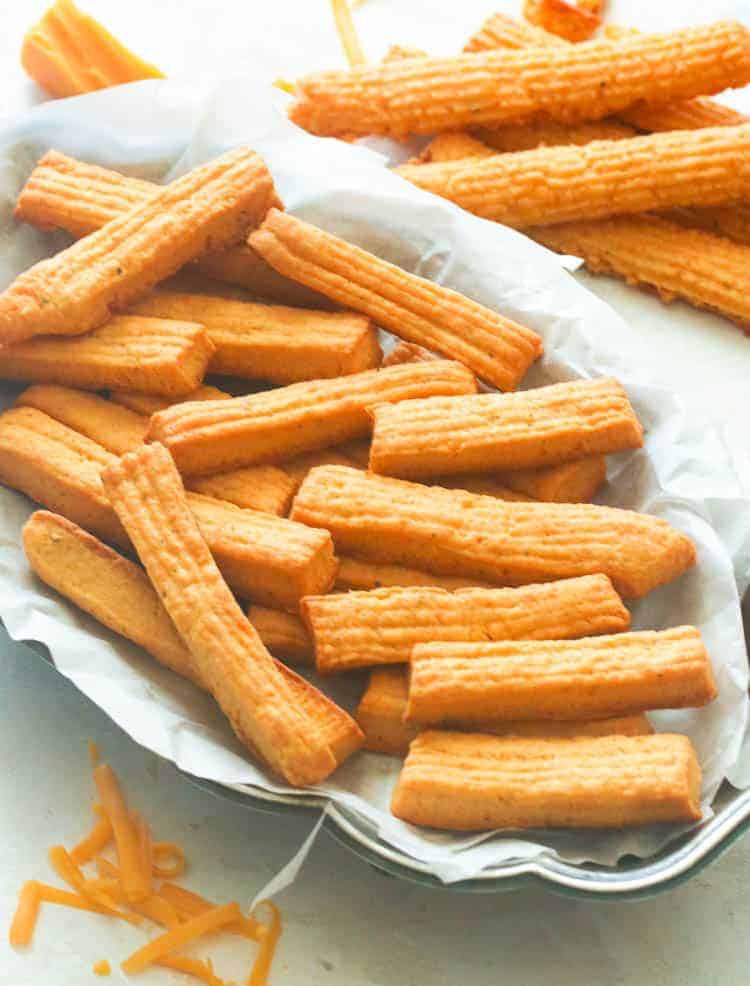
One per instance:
[(64, 193), (265, 488), (597, 677), (68, 53), (380, 714), (76, 290), (484, 432), (706, 270), (572, 482), (279, 424), (119, 594), (494, 347), (559, 184), (284, 634), (151, 355), (272, 342), (146, 491), (455, 533), (469, 782), (117, 429), (567, 83), (360, 629)]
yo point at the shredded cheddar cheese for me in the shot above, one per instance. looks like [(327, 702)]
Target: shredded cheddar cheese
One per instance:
[(342, 14), (184, 915)]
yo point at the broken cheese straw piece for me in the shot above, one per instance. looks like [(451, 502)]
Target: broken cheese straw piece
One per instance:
[(706, 270), (469, 782), (116, 428), (119, 430), (502, 31), (381, 710), (147, 493), (567, 20), (283, 634), (560, 184), (154, 355), (278, 424), (595, 677), (81, 198), (413, 308), (135, 881), (265, 557), (298, 467), (175, 937), (68, 53), (359, 629), (272, 342), (482, 433), (356, 573), (118, 594), (571, 482), (77, 289), (149, 404), (454, 532), (571, 83)]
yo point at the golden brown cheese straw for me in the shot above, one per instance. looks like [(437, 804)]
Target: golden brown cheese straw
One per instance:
[(380, 714), (115, 428), (593, 678), (298, 467), (283, 634), (58, 468), (494, 347), (452, 532), (408, 352), (265, 488), (149, 404), (706, 270), (360, 629), (118, 594), (356, 573), (152, 355), (571, 482), (81, 198), (147, 493), (502, 31), (279, 424), (573, 82), (540, 133), (264, 557), (469, 782), (567, 20), (77, 289), (272, 342), (453, 146), (560, 184), (486, 432)]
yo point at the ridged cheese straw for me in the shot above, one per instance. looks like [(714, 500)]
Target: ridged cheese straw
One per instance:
[(77, 289), (452, 532), (119, 594), (360, 629), (274, 343), (284, 634), (151, 355), (571, 83), (560, 184), (592, 678), (80, 198), (357, 573), (470, 782), (502, 31), (413, 308), (380, 715), (544, 426), (279, 424), (568, 20), (147, 493), (543, 133), (706, 270)]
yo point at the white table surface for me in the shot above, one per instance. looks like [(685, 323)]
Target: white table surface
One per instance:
[(345, 923)]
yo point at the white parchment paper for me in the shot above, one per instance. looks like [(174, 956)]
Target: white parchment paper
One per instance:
[(686, 473)]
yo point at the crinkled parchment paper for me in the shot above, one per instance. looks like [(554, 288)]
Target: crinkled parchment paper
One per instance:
[(685, 473)]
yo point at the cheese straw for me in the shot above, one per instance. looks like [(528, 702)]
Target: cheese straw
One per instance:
[(452, 532), (567, 83), (413, 308), (148, 496)]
